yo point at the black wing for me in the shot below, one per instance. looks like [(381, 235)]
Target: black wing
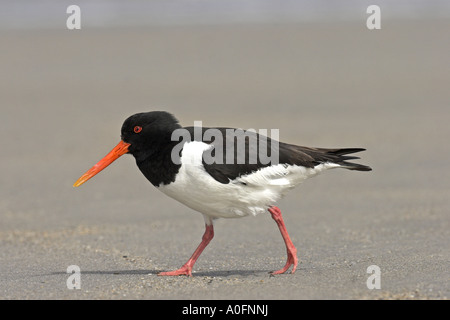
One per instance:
[(249, 151)]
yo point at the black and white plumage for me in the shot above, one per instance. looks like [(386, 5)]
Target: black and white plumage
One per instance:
[(219, 189)]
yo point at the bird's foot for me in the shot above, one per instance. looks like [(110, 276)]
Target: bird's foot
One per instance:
[(186, 269), (291, 260), (183, 271)]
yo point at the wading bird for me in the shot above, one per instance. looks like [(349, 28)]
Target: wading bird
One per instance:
[(221, 189)]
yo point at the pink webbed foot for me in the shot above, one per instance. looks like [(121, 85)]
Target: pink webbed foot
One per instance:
[(183, 271)]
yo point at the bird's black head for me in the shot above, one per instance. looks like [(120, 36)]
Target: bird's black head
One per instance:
[(144, 135), (146, 132)]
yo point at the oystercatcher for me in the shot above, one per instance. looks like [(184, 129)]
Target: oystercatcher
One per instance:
[(230, 187)]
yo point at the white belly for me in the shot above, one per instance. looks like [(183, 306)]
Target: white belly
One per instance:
[(247, 195)]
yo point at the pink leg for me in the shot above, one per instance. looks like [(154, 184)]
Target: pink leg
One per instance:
[(291, 251), (186, 269)]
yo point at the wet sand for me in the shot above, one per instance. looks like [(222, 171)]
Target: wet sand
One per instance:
[(64, 96)]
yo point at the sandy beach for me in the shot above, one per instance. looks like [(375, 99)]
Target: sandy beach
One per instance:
[(64, 96)]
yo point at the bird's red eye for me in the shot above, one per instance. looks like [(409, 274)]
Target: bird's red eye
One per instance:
[(137, 129)]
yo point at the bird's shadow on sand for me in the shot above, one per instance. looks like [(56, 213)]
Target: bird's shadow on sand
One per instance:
[(218, 273)]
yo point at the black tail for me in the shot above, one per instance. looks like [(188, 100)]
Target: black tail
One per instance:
[(339, 156), (311, 157)]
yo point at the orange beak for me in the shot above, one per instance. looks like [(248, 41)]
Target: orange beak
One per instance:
[(115, 153)]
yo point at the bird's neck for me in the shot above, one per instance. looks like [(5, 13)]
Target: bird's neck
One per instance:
[(158, 167)]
